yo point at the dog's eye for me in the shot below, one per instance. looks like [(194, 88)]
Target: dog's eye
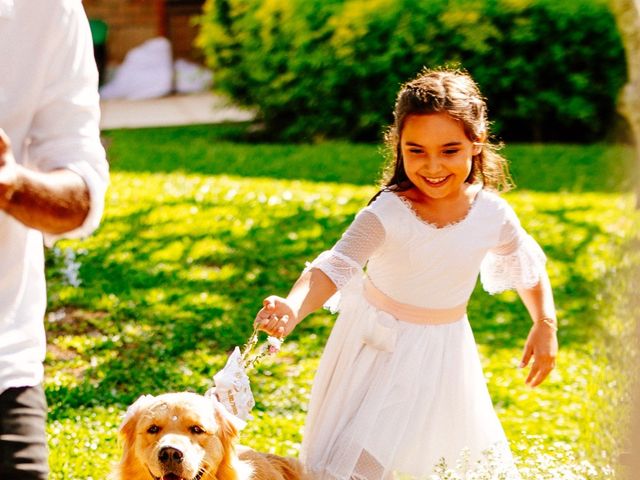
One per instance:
[(196, 429), (153, 429)]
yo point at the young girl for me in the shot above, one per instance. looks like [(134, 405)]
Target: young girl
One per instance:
[(400, 385)]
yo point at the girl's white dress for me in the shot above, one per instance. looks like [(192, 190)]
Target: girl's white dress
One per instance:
[(393, 398)]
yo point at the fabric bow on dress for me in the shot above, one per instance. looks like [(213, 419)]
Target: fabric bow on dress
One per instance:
[(381, 332)]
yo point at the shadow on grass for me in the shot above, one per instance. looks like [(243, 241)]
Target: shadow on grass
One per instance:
[(577, 295), (168, 325), (169, 295)]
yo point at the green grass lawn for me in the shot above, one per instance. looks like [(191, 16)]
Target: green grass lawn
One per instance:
[(200, 225)]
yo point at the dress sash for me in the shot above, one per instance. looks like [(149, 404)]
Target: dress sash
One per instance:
[(411, 313)]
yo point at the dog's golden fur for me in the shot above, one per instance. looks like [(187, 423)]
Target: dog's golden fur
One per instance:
[(185, 436)]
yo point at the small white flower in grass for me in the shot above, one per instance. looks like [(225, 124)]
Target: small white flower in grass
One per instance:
[(70, 269), (231, 194), (274, 200)]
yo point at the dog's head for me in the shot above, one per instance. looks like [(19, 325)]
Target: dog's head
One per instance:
[(178, 436)]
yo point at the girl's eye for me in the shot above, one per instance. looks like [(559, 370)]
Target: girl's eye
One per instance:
[(416, 151), (153, 429), (450, 152), (196, 429)]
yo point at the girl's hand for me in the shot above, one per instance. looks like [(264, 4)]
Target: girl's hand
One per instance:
[(276, 317), (542, 345)]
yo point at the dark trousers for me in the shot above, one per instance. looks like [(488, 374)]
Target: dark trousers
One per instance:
[(23, 440)]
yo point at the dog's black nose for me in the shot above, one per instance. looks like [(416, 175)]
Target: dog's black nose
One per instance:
[(168, 455)]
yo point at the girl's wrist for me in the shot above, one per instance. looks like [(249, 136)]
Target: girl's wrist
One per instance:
[(296, 317), (549, 322)]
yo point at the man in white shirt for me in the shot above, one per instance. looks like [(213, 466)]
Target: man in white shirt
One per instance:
[(53, 177)]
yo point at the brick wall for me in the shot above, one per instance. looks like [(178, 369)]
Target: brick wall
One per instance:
[(131, 22), (181, 31)]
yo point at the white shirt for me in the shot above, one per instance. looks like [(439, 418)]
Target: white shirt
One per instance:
[(49, 108)]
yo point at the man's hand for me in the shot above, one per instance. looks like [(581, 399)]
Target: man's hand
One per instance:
[(8, 171), (52, 202)]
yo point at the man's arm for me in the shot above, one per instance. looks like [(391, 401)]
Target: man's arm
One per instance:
[(52, 202)]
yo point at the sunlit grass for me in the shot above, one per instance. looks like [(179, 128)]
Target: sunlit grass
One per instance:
[(173, 278)]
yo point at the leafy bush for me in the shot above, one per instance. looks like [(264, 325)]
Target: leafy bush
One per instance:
[(316, 68)]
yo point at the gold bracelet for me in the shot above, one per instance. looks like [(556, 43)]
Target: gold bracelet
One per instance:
[(552, 323)]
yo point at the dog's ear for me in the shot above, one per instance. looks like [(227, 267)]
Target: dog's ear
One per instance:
[(128, 426), (233, 421), (128, 465), (228, 434)]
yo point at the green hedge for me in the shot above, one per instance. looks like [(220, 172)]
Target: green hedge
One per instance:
[(331, 68)]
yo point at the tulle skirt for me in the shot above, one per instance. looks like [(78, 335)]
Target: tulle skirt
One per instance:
[(395, 399)]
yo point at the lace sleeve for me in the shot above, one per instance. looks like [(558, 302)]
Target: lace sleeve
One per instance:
[(516, 262), (349, 255)]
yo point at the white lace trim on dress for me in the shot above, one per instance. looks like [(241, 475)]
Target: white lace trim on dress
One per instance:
[(347, 258), (338, 267), (522, 268), (433, 225)]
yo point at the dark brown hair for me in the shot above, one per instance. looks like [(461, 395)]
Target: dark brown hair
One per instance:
[(455, 93)]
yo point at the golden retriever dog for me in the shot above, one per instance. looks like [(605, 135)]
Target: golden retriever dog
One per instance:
[(186, 436)]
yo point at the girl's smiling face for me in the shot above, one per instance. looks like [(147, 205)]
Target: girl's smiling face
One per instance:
[(437, 154)]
